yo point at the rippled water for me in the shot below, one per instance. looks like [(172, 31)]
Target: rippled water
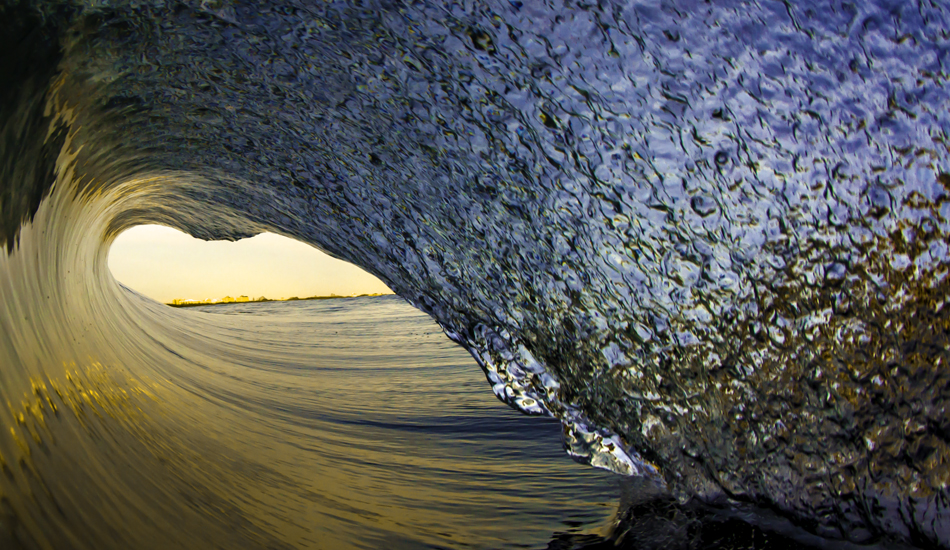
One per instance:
[(710, 238)]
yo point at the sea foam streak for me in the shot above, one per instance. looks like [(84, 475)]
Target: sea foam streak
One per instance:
[(709, 238)]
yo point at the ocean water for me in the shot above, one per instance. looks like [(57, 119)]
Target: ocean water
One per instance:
[(350, 423), (326, 424), (709, 239)]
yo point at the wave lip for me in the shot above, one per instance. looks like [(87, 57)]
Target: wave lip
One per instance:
[(712, 242)]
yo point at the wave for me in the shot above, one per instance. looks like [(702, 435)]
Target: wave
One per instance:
[(710, 239)]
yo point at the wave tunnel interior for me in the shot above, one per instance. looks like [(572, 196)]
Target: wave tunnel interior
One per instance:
[(707, 242)]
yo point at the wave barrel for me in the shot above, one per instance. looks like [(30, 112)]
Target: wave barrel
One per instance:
[(711, 239)]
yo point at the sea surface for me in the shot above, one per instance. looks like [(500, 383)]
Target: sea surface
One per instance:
[(324, 424), (346, 423)]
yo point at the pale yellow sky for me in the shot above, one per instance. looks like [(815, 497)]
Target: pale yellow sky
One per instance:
[(164, 264)]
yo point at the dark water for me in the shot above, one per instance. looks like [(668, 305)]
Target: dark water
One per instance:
[(709, 238)]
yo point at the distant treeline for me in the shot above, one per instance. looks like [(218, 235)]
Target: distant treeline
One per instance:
[(181, 302)]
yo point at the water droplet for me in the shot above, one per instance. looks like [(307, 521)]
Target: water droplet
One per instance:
[(703, 205)]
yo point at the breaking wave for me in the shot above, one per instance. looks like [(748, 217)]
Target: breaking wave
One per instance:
[(709, 238)]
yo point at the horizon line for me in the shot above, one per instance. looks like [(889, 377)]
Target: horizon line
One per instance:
[(243, 299)]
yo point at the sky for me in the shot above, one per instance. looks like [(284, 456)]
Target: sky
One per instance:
[(164, 264)]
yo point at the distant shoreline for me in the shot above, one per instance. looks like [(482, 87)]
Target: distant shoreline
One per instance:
[(261, 300)]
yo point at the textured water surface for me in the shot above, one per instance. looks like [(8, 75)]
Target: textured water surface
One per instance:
[(710, 238)]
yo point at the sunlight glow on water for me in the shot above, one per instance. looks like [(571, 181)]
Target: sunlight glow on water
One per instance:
[(339, 424)]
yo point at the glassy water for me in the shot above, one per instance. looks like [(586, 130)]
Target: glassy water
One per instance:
[(348, 423)]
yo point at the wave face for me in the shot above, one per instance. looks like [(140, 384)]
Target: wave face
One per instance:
[(709, 238), (341, 424)]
